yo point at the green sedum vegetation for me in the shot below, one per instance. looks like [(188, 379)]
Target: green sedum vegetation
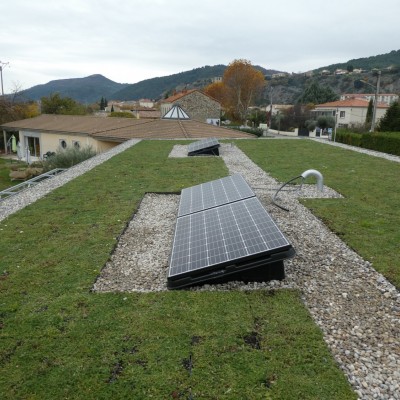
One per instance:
[(60, 340), (368, 217)]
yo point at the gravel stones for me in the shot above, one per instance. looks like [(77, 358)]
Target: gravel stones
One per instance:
[(140, 261)]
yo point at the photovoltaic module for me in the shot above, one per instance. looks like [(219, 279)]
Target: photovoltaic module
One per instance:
[(227, 235), (208, 146)]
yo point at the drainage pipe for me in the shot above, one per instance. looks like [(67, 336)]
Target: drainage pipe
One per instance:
[(316, 174)]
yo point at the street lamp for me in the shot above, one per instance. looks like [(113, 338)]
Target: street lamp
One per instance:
[(359, 83), (1, 76), (336, 116)]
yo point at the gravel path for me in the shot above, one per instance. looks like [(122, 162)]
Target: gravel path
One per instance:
[(357, 309)]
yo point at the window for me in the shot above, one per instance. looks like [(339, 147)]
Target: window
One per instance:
[(342, 114), (76, 144), (63, 144), (33, 144)]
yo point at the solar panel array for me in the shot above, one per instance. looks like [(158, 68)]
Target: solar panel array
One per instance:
[(225, 235), (205, 146), (212, 194)]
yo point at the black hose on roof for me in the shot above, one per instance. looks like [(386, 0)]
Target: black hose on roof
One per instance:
[(282, 186)]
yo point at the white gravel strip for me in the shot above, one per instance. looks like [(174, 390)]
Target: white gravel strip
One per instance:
[(357, 309), (373, 153), (20, 200)]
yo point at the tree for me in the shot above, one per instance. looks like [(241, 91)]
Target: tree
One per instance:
[(257, 117), (55, 104), (390, 122), (216, 90), (310, 124), (316, 94), (12, 108), (242, 85), (102, 104), (293, 117), (325, 122), (370, 111)]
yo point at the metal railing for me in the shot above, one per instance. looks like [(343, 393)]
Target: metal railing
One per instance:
[(29, 183)]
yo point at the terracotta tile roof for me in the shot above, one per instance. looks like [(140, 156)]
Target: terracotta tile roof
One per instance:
[(154, 114), (172, 129), (121, 129), (349, 103), (360, 95), (72, 123), (177, 96)]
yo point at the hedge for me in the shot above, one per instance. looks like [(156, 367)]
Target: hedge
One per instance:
[(385, 142)]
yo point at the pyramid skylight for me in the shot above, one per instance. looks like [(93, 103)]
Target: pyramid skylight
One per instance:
[(176, 112)]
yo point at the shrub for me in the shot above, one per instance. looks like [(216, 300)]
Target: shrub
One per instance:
[(386, 142), (66, 158), (348, 137), (121, 114), (255, 131)]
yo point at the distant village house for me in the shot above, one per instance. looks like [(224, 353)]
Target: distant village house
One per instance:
[(198, 105)]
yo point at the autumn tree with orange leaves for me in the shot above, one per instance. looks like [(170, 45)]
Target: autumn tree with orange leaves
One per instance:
[(241, 85)]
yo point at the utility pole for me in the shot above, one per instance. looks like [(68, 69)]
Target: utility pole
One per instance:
[(375, 101), (359, 83), (2, 64)]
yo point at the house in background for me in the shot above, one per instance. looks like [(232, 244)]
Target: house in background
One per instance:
[(198, 105), (387, 98), (49, 133), (278, 108), (147, 103), (139, 109), (349, 112)]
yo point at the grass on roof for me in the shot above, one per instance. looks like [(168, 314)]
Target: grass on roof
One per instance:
[(5, 164), (368, 218), (60, 340)]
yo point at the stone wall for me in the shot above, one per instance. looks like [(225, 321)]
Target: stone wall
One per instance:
[(200, 106)]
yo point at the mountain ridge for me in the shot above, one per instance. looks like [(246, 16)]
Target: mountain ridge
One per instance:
[(92, 88)]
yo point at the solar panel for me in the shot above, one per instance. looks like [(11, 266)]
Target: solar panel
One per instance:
[(236, 240), (213, 194), (205, 146)]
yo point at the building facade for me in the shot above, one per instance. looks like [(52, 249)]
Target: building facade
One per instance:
[(387, 98), (349, 112), (196, 104)]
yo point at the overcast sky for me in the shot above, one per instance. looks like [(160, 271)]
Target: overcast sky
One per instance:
[(129, 41)]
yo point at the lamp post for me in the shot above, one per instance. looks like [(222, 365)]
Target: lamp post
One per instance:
[(336, 115), (1, 76), (378, 82)]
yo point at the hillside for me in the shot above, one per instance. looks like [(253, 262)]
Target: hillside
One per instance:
[(84, 90), (380, 61), (92, 88), (156, 88), (286, 90)]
